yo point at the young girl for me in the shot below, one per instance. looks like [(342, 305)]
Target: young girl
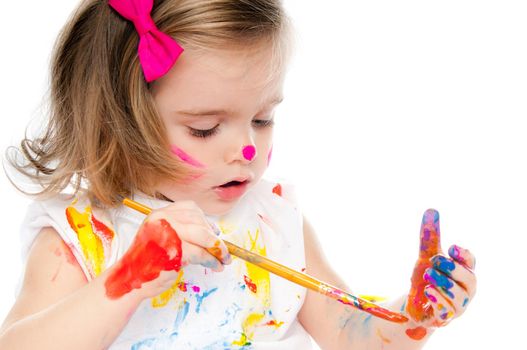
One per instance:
[(171, 103)]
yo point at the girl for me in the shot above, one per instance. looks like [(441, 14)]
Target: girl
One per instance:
[(172, 103)]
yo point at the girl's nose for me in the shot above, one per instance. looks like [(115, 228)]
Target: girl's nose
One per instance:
[(249, 152)]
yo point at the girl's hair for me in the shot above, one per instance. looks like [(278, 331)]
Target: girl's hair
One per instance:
[(104, 134)]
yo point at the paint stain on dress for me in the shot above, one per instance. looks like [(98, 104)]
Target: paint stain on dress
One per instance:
[(164, 298), (278, 190), (249, 283), (95, 238)]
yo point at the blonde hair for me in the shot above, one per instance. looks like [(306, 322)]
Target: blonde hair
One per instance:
[(104, 135)]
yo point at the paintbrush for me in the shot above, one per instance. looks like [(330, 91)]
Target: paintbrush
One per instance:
[(294, 276)]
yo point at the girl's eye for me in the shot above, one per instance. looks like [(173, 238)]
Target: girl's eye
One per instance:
[(262, 123), (203, 133)]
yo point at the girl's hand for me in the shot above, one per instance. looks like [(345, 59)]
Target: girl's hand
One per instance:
[(442, 286), (168, 239)]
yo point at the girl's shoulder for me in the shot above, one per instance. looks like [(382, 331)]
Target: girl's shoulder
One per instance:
[(86, 229)]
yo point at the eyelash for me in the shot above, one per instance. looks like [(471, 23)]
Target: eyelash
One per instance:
[(210, 132)]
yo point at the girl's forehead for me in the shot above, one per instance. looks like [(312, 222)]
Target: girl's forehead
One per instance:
[(220, 75)]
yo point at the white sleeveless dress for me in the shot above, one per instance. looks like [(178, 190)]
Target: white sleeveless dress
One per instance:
[(242, 307)]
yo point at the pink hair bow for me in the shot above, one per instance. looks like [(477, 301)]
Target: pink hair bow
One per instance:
[(157, 51)]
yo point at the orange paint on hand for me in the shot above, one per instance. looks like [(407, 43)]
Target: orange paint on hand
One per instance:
[(156, 248), (418, 305)]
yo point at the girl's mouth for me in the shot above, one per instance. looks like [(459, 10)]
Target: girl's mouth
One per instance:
[(231, 190)]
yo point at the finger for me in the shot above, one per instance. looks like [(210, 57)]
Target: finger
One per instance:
[(459, 273), (453, 292), (443, 311), (193, 254), (430, 240), (203, 236), (463, 256)]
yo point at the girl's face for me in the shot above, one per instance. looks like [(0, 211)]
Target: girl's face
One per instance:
[(218, 109)]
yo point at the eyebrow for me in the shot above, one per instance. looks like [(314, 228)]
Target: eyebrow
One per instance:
[(213, 112)]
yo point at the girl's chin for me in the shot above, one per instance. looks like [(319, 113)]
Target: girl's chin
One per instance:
[(218, 208)]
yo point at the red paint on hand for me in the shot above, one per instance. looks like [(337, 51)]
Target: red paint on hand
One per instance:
[(416, 333), (156, 248), (418, 305)]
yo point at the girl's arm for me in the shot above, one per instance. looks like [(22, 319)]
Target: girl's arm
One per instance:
[(337, 326), (57, 308)]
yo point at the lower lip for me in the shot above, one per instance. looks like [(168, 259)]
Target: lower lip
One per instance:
[(232, 192)]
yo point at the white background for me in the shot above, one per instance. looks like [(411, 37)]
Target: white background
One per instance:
[(391, 107)]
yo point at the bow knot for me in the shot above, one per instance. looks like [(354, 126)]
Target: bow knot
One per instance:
[(157, 51)]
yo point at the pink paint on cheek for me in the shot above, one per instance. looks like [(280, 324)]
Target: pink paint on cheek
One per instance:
[(269, 156), (185, 157), (249, 152)]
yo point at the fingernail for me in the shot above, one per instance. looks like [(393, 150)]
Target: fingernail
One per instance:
[(460, 255), (215, 229), (212, 264)]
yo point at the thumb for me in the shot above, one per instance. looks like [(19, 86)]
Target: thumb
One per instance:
[(430, 240)]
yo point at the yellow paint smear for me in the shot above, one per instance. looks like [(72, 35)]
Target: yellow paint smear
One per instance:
[(162, 299), (91, 244), (262, 279)]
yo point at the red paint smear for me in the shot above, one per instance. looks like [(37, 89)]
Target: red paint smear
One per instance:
[(418, 305), (64, 248), (102, 229), (274, 323), (156, 248), (416, 333), (250, 284), (278, 190)]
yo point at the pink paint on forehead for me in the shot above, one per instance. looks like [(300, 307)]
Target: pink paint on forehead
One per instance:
[(185, 157), (249, 152)]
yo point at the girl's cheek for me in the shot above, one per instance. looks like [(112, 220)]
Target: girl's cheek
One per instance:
[(185, 157), (269, 155)]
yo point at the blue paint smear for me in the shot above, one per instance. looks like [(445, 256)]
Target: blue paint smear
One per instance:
[(144, 344), (444, 264), (366, 320), (403, 307), (200, 298), (230, 314), (182, 314), (440, 281)]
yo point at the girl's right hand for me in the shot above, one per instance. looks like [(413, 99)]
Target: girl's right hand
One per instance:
[(168, 239)]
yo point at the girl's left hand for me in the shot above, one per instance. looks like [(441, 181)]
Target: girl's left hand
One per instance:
[(442, 286)]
